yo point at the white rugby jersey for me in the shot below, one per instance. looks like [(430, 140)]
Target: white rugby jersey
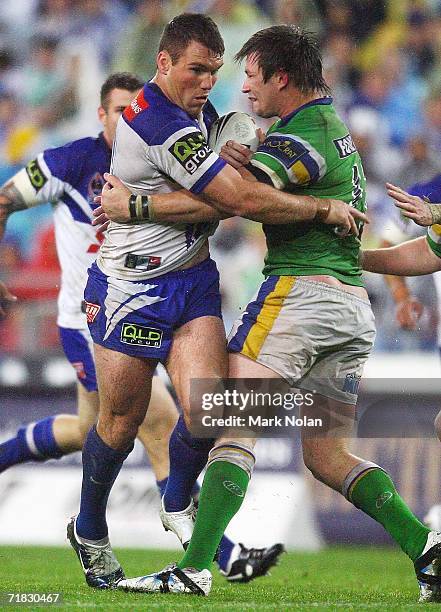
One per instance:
[(70, 177), (158, 148)]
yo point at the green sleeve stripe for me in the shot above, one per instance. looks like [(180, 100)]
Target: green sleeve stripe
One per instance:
[(435, 246), (273, 168)]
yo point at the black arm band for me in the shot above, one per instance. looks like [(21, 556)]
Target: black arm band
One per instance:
[(139, 208)]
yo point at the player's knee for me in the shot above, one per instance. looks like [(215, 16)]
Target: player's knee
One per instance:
[(313, 461)]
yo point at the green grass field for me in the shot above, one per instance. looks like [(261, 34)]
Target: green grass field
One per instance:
[(337, 578)]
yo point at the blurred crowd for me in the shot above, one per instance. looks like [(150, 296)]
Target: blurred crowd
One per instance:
[(382, 59)]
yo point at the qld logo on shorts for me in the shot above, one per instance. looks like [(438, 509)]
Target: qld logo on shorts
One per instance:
[(140, 335)]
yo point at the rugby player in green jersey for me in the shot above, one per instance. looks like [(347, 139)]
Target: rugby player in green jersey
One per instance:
[(310, 323)]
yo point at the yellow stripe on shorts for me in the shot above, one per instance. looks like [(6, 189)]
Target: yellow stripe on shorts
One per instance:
[(267, 316)]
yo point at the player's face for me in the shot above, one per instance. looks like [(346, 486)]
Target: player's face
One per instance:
[(192, 77), (117, 101), (263, 96)]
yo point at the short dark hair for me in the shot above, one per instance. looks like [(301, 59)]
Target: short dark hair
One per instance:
[(119, 80), (288, 48), (189, 27)]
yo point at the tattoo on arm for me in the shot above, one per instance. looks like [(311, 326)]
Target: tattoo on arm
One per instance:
[(15, 200)]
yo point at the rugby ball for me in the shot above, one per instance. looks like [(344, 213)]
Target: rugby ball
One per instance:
[(233, 126)]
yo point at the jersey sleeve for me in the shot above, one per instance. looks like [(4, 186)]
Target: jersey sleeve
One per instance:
[(289, 159), (181, 152), (37, 184), (434, 239)]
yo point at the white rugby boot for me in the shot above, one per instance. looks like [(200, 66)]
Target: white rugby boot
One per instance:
[(171, 579), (181, 523), (428, 569)]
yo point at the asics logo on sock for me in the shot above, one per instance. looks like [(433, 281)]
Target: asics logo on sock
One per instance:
[(383, 499), (232, 487)]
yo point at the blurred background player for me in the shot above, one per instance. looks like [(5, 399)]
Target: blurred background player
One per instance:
[(409, 308), (70, 177)]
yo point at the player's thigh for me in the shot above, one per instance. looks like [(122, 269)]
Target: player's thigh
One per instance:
[(78, 348), (124, 382), (87, 407), (329, 425), (240, 366), (162, 413), (198, 351)]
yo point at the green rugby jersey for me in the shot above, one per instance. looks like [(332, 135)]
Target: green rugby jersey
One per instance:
[(310, 152)]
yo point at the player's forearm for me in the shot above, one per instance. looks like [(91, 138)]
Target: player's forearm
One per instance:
[(10, 200), (397, 284), (182, 207), (413, 258), (263, 203)]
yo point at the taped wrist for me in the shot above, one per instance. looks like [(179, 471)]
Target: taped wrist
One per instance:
[(323, 210), (140, 208), (435, 209)]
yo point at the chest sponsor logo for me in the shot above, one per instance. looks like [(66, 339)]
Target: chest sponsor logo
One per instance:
[(285, 150), (140, 335), (92, 311), (190, 151), (345, 146), (36, 175)]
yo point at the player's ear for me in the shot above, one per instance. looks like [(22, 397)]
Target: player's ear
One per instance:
[(282, 78), (164, 62), (102, 114)]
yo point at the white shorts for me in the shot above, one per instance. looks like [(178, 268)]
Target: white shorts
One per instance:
[(315, 336)]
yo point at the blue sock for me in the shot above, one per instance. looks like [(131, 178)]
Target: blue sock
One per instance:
[(33, 442), (161, 484), (224, 552), (188, 457), (101, 466)]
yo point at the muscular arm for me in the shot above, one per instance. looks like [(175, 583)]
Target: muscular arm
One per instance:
[(412, 258), (183, 206), (11, 200), (227, 194)]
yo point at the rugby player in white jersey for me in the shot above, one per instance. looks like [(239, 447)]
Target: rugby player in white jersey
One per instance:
[(69, 177)]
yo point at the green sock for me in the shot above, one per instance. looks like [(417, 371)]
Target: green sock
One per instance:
[(222, 494), (375, 494)]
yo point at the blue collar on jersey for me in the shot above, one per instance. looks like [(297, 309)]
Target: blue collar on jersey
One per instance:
[(318, 101), (104, 142)]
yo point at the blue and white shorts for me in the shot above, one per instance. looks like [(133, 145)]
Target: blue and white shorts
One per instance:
[(138, 318), (78, 347)]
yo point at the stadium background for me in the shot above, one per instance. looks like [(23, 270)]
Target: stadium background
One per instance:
[(383, 62)]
